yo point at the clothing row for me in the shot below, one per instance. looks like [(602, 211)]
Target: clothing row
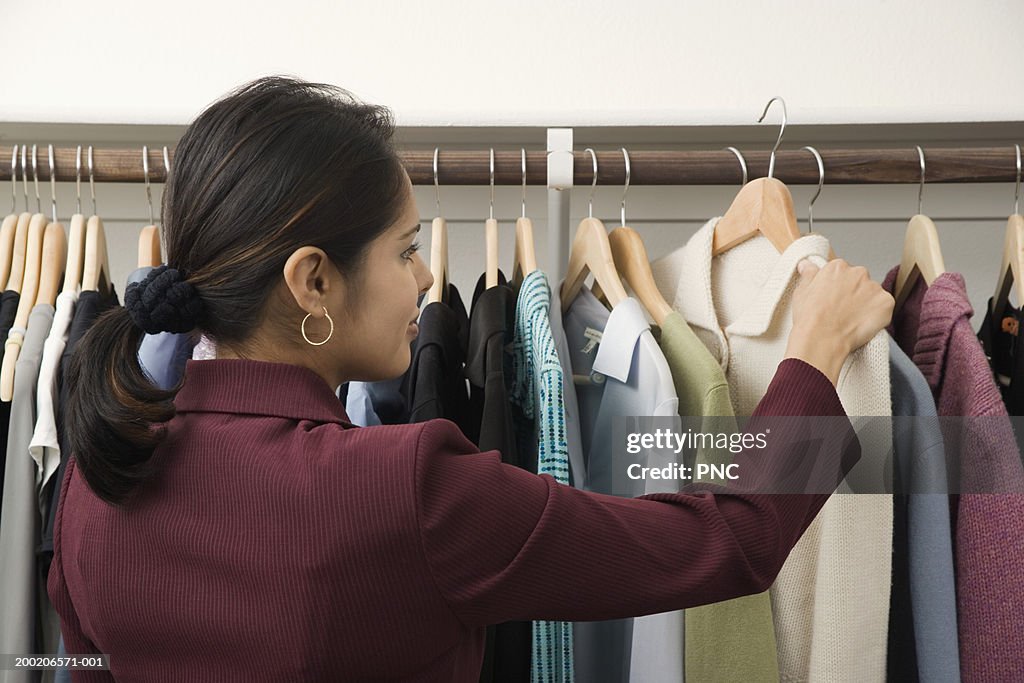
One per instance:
[(34, 453), (880, 587)]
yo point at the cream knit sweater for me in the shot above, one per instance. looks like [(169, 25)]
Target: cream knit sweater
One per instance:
[(830, 602)]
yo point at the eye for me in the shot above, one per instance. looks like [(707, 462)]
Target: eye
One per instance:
[(413, 248)]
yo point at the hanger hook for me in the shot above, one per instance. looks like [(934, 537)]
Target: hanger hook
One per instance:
[(492, 182), (593, 184), (53, 182), (782, 130), (24, 174), (78, 180), (743, 162), (625, 157), (821, 183), (14, 180), (920, 189), (92, 182), (437, 186), (1016, 192), (522, 152), (145, 176), (35, 178)]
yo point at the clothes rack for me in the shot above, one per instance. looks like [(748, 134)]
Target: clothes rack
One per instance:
[(647, 167), (561, 167)]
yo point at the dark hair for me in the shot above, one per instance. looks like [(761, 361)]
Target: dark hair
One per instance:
[(276, 164)]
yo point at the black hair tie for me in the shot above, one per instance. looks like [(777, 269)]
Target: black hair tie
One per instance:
[(163, 302)]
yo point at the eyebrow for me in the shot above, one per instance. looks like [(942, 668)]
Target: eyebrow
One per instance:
[(416, 228)]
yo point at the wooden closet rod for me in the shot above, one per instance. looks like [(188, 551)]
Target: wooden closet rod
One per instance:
[(701, 167)]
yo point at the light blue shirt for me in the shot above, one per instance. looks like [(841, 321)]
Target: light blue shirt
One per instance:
[(621, 372)]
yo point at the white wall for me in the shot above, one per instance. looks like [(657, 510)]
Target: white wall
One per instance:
[(466, 74), (529, 62)]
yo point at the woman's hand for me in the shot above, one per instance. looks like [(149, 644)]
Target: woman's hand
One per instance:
[(836, 310)]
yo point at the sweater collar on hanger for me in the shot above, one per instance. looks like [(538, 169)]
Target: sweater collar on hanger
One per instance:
[(694, 297)]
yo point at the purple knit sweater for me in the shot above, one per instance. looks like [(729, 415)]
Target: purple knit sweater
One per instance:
[(933, 328)]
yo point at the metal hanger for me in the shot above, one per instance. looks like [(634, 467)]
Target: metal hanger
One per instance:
[(922, 255)]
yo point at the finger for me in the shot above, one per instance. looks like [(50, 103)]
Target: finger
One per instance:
[(807, 270)]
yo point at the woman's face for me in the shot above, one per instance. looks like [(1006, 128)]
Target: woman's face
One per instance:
[(378, 320)]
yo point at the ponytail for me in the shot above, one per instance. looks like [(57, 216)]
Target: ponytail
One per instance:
[(115, 416)]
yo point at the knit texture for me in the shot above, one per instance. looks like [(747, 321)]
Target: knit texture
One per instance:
[(830, 602), (933, 328)]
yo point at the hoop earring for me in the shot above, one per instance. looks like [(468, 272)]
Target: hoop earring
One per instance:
[(329, 334)]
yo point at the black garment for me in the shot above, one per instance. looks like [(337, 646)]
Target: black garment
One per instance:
[(90, 306), (8, 309), (489, 370), (999, 339), (437, 381), (901, 663)]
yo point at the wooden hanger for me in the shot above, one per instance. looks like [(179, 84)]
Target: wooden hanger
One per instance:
[(922, 256), (491, 236), (54, 262), (54, 250), (76, 235), (632, 264), (1011, 267), (149, 239), (149, 247), (525, 253), (7, 233), (10, 226), (76, 253), (591, 252), (438, 248), (438, 260), (762, 206), (29, 288), (95, 271)]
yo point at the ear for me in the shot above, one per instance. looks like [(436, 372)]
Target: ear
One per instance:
[(311, 277)]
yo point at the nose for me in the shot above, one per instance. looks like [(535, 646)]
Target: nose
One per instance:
[(423, 275)]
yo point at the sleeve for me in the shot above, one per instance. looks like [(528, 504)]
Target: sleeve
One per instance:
[(504, 544), (75, 640)]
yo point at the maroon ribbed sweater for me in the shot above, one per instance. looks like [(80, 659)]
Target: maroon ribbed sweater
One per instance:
[(279, 543), (933, 328)]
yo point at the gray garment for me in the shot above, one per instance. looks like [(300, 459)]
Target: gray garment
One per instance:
[(573, 435), (20, 525), (920, 456)]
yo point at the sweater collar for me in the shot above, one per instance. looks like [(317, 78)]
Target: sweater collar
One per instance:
[(693, 295), (923, 326), (236, 385)]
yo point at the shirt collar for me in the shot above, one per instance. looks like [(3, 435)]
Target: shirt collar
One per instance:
[(693, 295), (236, 385), (622, 328)]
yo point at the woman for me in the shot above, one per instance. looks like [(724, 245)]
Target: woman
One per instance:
[(240, 527)]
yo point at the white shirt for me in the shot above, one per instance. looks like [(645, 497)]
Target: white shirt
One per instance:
[(44, 446), (830, 602)]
